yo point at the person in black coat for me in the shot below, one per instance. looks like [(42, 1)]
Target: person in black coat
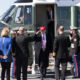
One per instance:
[(61, 44), (22, 52), (50, 25), (42, 49)]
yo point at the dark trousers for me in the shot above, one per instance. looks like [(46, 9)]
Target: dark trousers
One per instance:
[(57, 72), (14, 68), (76, 65), (43, 71), (43, 63), (21, 64), (5, 68)]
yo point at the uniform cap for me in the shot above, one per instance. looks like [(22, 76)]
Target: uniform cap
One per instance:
[(21, 28), (73, 27), (42, 28), (15, 29)]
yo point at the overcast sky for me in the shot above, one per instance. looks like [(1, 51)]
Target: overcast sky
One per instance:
[(4, 5)]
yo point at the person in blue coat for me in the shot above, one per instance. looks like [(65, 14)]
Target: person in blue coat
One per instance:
[(5, 50)]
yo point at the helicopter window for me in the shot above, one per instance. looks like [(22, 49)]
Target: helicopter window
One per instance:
[(28, 15), (19, 19), (8, 15)]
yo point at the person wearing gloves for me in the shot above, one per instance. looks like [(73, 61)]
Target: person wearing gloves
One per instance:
[(60, 52)]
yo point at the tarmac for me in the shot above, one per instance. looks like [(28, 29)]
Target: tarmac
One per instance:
[(50, 76), (50, 72)]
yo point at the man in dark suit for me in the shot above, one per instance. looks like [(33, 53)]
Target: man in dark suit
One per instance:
[(61, 44), (42, 47), (50, 26), (22, 52)]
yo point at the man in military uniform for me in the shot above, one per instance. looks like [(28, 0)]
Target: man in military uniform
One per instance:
[(74, 51)]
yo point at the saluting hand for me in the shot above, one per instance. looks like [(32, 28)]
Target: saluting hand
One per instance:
[(37, 32)]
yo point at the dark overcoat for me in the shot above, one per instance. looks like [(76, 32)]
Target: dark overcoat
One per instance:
[(22, 46), (61, 44), (40, 55)]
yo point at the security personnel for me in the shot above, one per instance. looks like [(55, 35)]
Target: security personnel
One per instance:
[(74, 51), (22, 53), (60, 48)]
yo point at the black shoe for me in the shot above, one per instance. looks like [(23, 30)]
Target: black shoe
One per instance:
[(74, 77), (44, 76)]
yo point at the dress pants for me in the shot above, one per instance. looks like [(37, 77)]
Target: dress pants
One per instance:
[(43, 71), (14, 68), (57, 72), (43, 63), (21, 64), (76, 65), (5, 68)]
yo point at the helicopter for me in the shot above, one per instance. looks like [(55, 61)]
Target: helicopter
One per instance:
[(30, 14)]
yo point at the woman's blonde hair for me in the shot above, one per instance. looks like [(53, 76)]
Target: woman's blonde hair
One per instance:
[(5, 32)]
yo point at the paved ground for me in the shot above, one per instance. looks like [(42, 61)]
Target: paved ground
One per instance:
[(50, 76), (50, 73)]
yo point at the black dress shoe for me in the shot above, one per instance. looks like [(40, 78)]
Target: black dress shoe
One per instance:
[(74, 77), (42, 78)]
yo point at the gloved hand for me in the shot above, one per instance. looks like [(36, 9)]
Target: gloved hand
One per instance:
[(54, 54)]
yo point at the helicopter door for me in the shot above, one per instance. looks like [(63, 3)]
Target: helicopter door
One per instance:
[(43, 18)]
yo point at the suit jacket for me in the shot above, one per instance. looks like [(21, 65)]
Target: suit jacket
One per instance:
[(61, 44), (21, 46), (5, 48), (38, 47), (49, 16)]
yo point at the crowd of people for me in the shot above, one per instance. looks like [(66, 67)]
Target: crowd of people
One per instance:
[(65, 48)]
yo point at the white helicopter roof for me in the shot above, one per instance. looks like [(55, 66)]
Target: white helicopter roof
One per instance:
[(78, 4), (36, 2)]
